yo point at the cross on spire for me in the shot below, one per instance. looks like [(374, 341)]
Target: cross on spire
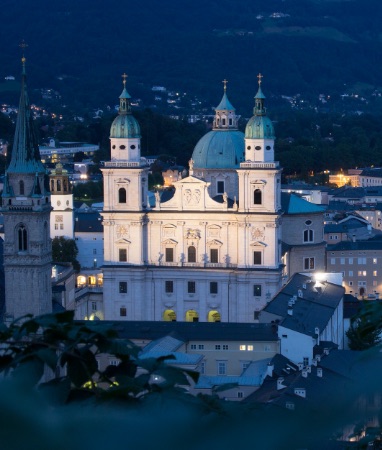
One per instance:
[(225, 84), (23, 45), (124, 76), (259, 76)]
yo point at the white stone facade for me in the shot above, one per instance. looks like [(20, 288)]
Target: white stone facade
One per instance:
[(193, 257)]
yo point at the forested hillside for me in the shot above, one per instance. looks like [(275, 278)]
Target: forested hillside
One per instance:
[(302, 46)]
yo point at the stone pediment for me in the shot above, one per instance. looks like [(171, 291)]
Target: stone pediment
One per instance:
[(122, 241), (191, 194), (258, 244), (169, 242)]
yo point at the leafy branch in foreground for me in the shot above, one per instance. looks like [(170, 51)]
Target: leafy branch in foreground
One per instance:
[(70, 350)]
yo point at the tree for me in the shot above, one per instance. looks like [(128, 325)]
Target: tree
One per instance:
[(366, 327), (65, 250)]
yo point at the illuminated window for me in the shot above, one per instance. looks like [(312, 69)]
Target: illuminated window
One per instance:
[(243, 347), (257, 290), (375, 273), (250, 348), (308, 263)]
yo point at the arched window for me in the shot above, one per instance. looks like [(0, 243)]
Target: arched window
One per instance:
[(52, 185), (58, 185), (191, 254), (21, 187), (257, 197), (22, 238), (65, 186), (308, 235), (122, 195)]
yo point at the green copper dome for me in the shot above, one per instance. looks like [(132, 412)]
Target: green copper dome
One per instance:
[(259, 125), (125, 126), (219, 150)]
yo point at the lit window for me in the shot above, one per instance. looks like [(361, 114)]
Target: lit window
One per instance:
[(250, 348), (375, 260), (257, 290), (243, 347), (375, 273), (308, 263)]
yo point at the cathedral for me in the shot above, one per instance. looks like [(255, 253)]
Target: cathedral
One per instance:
[(209, 250)]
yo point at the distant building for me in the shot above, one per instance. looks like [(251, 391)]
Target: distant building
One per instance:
[(61, 217), (88, 232), (307, 310), (53, 153)]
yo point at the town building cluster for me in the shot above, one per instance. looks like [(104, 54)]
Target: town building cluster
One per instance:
[(235, 276)]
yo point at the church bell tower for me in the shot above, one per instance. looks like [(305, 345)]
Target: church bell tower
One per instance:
[(26, 209)]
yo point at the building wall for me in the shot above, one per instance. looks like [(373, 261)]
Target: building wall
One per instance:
[(90, 249), (360, 269)]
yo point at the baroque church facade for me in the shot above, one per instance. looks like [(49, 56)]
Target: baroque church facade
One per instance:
[(209, 251)]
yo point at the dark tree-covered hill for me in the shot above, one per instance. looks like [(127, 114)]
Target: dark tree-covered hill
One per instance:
[(81, 47)]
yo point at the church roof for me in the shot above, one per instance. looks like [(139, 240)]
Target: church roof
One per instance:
[(219, 149), (225, 104), (25, 156), (293, 204)]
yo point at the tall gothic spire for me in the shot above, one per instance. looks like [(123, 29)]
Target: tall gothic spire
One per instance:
[(25, 156)]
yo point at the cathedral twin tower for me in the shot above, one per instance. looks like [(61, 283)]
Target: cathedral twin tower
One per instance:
[(209, 250)]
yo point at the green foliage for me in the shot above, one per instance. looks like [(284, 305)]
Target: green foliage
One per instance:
[(365, 330), (92, 190), (65, 250)]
